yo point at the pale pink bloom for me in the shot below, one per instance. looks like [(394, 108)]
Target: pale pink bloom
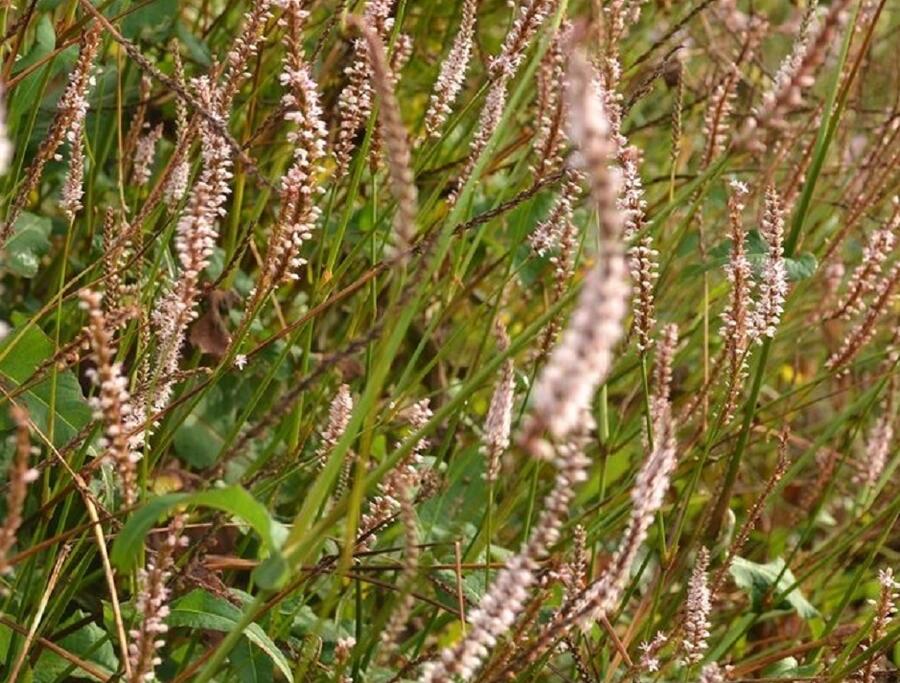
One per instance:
[(649, 661), (300, 185), (356, 99), (453, 72), (498, 423), (145, 153), (152, 605), (113, 404), (697, 611), (582, 358), (878, 450), (6, 147), (773, 285), (195, 240)]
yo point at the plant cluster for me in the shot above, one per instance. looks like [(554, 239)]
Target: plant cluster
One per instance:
[(390, 340)]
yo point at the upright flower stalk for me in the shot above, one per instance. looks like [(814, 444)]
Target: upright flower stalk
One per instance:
[(550, 138), (404, 478), (177, 183), (558, 231), (113, 404), (797, 73), (152, 605), (68, 124), (642, 257), (145, 154), (877, 449), (736, 319), (452, 75), (580, 362), (356, 99), (300, 186), (885, 613), (20, 475), (866, 328), (864, 279), (531, 14), (773, 285), (195, 239), (603, 594), (499, 417), (505, 599), (244, 48), (697, 611), (562, 394), (396, 141), (502, 69)]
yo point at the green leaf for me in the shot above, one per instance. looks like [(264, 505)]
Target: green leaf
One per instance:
[(758, 580), (251, 665), (201, 610), (798, 267), (24, 97), (801, 267), (197, 442), (150, 18), (232, 499), (197, 49), (90, 642), (29, 242), (21, 352)]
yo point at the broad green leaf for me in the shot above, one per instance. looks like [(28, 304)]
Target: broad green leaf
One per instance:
[(150, 18), (201, 610), (232, 499), (758, 580), (801, 266), (798, 267), (197, 49), (29, 242), (90, 642), (21, 352), (250, 664)]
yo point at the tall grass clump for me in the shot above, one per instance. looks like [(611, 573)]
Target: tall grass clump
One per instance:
[(485, 340)]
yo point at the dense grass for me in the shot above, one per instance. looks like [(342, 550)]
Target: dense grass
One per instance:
[(421, 292)]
